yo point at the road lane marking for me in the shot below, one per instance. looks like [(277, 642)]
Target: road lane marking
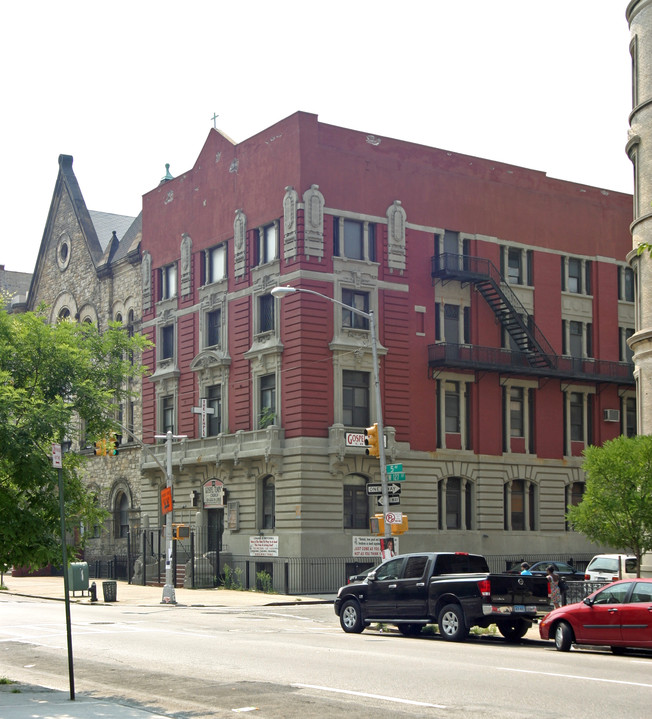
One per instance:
[(577, 676), (370, 696)]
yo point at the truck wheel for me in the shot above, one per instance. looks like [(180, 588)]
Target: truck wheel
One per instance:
[(514, 630), (350, 618), (451, 623), (563, 637), (409, 630)]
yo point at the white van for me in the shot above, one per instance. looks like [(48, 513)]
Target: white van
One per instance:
[(611, 567)]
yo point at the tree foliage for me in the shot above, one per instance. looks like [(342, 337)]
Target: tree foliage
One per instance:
[(616, 508), (54, 381)]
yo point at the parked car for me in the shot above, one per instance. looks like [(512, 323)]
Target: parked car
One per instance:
[(564, 570), (618, 615), (610, 567)]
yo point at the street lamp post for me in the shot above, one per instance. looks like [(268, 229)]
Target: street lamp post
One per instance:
[(168, 590), (281, 292)]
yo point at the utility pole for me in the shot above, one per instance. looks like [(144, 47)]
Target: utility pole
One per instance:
[(168, 589)]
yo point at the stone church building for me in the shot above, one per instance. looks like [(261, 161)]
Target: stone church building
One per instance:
[(88, 269)]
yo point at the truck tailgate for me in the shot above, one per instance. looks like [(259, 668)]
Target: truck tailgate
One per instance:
[(519, 589)]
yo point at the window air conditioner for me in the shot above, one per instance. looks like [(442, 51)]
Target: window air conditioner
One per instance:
[(612, 415)]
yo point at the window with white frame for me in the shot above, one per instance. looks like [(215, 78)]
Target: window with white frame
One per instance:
[(355, 398), (266, 308), (455, 503), (355, 503), (576, 275), (519, 505), (215, 259), (452, 323), (626, 284), (214, 402), (354, 239), (169, 281), (578, 417), (267, 400), (518, 414), (268, 503), (453, 411), (214, 328), (267, 243), (360, 301), (167, 342), (577, 338), (167, 414)]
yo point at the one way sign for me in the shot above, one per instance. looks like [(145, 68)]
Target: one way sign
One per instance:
[(393, 489)]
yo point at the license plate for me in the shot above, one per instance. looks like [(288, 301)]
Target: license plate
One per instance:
[(519, 607)]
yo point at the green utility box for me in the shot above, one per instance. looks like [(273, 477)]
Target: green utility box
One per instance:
[(78, 577)]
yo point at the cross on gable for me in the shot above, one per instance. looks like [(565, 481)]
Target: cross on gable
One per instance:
[(204, 411)]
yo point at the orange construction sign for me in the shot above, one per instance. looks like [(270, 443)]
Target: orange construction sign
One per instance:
[(166, 500)]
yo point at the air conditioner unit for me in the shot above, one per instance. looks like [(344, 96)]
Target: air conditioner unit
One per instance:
[(612, 415)]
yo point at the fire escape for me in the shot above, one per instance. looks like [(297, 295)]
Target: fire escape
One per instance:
[(535, 355)]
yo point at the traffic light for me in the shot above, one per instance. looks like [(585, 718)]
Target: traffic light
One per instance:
[(377, 524), (101, 448), (113, 444), (371, 440)]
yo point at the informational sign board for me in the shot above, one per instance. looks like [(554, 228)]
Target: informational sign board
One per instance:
[(213, 494), (56, 456), (263, 546), (166, 500), (394, 518), (370, 546)]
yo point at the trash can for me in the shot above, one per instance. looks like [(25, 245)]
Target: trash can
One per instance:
[(78, 577), (110, 590)]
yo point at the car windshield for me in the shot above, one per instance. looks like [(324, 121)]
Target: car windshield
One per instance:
[(604, 564)]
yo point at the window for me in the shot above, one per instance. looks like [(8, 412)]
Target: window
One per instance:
[(265, 313), (168, 282), (215, 264), (626, 284), (514, 267), (448, 317), (356, 506), (516, 417), (452, 407), (214, 421), (519, 505), (267, 401), (577, 416), (268, 504), (355, 398), (628, 416), (267, 244), (359, 300), (626, 354), (121, 515), (574, 494), (454, 494), (578, 419), (577, 338), (213, 328), (167, 342), (167, 414), (576, 275), (349, 239)]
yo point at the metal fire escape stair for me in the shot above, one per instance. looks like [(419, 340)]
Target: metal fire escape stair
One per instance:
[(508, 309)]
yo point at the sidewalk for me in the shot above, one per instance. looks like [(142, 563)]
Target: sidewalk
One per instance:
[(128, 594), (18, 701)]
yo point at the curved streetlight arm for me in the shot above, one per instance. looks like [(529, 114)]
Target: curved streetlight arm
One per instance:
[(283, 291)]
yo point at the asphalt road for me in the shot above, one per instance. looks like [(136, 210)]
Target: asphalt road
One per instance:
[(286, 662)]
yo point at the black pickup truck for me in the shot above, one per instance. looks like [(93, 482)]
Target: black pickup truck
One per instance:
[(454, 590)]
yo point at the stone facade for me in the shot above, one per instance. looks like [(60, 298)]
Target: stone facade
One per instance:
[(88, 269), (639, 149)]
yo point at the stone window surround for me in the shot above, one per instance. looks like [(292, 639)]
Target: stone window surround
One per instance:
[(465, 483), (526, 385), (445, 378), (567, 391), (528, 484)]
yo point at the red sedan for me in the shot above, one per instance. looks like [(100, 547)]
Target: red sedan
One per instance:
[(619, 615)]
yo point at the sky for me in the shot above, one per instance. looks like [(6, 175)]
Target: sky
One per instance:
[(128, 86)]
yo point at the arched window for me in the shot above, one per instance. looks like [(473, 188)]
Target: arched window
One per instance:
[(355, 502), (64, 313), (574, 494), (121, 515), (455, 502), (268, 514), (519, 505)]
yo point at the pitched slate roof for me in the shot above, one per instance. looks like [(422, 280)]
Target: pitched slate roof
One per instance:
[(106, 223)]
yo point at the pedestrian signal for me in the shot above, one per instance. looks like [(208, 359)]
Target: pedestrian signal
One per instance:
[(371, 440)]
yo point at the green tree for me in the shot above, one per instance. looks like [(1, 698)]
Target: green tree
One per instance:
[(616, 508), (54, 381)]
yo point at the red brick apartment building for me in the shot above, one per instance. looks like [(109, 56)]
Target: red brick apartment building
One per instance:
[(503, 301)]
